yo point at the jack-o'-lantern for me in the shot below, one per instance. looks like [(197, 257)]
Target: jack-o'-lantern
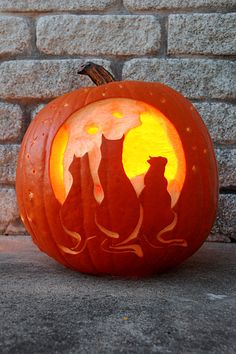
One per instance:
[(118, 179)]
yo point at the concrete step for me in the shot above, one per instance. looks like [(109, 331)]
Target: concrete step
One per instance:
[(46, 308)]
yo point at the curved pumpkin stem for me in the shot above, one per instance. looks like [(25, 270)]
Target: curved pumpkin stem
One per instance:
[(97, 73)]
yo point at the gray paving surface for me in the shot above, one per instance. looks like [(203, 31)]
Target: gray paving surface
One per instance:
[(46, 308)]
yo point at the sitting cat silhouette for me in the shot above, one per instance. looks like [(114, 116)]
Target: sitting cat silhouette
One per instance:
[(155, 198), (77, 212), (119, 210)]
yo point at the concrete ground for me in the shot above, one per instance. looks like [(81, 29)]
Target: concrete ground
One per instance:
[(46, 308)]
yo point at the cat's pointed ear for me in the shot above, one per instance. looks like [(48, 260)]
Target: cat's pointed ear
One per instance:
[(150, 159), (164, 160), (73, 162)]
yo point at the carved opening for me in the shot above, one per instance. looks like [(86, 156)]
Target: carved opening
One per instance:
[(117, 167)]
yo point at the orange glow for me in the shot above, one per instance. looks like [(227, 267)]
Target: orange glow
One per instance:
[(147, 133), (57, 164)]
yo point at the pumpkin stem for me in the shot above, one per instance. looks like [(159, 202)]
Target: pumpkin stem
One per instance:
[(97, 73)]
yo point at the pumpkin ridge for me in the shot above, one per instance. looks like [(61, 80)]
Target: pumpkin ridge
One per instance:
[(47, 219), (21, 199)]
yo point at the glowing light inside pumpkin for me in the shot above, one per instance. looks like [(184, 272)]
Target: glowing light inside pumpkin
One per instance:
[(147, 133), (117, 114), (154, 138), (56, 163), (92, 129)]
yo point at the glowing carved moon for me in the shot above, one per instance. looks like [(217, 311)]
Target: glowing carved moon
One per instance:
[(147, 133)]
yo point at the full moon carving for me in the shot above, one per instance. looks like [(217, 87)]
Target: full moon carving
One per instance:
[(147, 133)]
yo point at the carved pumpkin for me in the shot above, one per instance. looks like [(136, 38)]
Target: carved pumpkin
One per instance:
[(118, 179)]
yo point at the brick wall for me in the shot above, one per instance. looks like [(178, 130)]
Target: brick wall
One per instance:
[(187, 44)]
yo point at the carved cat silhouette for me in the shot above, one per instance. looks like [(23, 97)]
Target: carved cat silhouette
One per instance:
[(155, 199), (77, 212), (119, 211)]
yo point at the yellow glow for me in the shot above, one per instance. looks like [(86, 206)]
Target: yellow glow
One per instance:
[(156, 136), (56, 163), (92, 129), (147, 133), (117, 114)]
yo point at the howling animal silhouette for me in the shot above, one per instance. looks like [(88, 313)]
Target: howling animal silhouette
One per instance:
[(119, 211), (155, 199)]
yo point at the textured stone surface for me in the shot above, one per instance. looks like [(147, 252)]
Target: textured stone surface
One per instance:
[(40, 79), (202, 34), (8, 207), (218, 238), (55, 5), (133, 30), (103, 35), (226, 158), (11, 119), (8, 160), (153, 5), (225, 224), (220, 119), (36, 110), (194, 78), (15, 227), (15, 36), (46, 308)]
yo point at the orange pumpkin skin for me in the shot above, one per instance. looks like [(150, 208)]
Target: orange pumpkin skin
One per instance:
[(196, 207)]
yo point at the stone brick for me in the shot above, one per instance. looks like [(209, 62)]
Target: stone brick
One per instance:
[(15, 228), (194, 78), (8, 206), (11, 119), (220, 119), (98, 35), (226, 158), (218, 238), (156, 5), (36, 110), (202, 34), (225, 224), (8, 161), (42, 79), (55, 5), (15, 37)]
